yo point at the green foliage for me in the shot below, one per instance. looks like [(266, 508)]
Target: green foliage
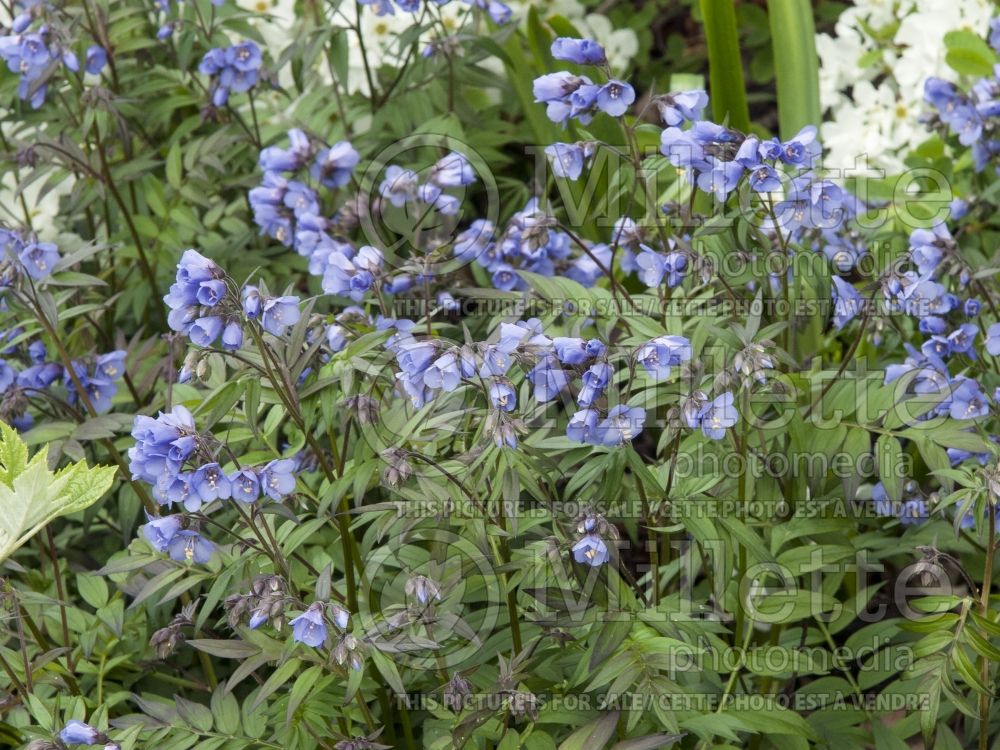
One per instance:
[(32, 496)]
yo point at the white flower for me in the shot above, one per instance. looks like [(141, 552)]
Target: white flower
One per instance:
[(881, 121)]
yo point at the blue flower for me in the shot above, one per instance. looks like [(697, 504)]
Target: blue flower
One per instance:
[(662, 353), (110, 365), (614, 98), (993, 339), (189, 546), (310, 627), (399, 185), (622, 425), (277, 479), (570, 351), (653, 266), (595, 380), (160, 531), (680, 107), (502, 396), (205, 331), (505, 278), (961, 339), (294, 157), (452, 170), (567, 159), (235, 68), (78, 733), (720, 178), (444, 374), (548, 378), (96, 59), (582, 426), (39, 258), (333, 166), (715, 417), (208, 483), (245, 486), (591, 550), (232, 336), (277, 313), (967, 399), (579, 51), (847, 302)]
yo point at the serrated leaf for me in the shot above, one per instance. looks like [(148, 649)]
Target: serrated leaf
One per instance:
[(31, 496)]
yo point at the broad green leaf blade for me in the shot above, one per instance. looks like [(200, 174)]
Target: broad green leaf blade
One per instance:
[(796, 65), (31, 496), (727, 89)]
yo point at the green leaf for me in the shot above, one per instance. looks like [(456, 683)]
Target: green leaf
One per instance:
[(593, 734), (968, 53), (890, 464), (725, 66), (31, 496), (796, 65)]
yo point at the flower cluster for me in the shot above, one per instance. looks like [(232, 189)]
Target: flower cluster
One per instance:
[(204, 305), (27, 373), (574, 368), (972, 117), (567, 95), (34, 56), (232, 69), (182, 467)]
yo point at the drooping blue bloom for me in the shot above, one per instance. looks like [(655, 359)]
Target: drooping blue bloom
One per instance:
[(190, 547), (682, 106), (502, 395), (591, 550), (78, 733), (208, 483), (452, 170), (277, 479), (206, 330), (335, 165), (662, 353), (967, 399), (595, 380), (567, 159), (310, 627), (39, 258), (582, 426), (548, 378), (399, 185), (336, 338), (623, 424), (277, 313), (615, 97), (159, 532), (715, 417), (444, 374), (847, 302), (97, 58), (245, 486), (579, 51), (993, 339)]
